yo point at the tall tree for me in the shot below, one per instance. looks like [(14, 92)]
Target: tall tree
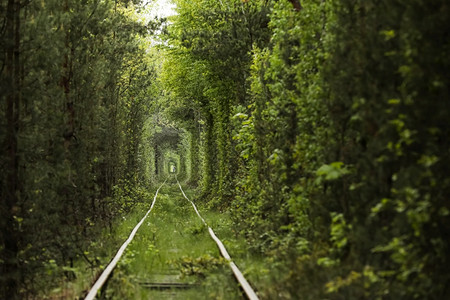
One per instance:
[(11, 187), (66, 134)]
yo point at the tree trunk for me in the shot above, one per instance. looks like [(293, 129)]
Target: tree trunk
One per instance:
[(156, 159), (10, 192), (194, 155), (210, 169), (65, 84)]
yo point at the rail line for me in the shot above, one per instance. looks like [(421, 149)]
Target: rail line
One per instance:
[(237, 273), (250, 293), (104, 276)]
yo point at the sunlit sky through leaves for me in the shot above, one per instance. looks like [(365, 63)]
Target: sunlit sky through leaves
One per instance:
[(157, 9), (161, 8)]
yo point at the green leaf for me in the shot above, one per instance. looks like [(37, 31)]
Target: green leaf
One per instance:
[(333, 171)]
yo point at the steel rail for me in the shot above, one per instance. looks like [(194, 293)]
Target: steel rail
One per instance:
[(237, 273), (104, 276)]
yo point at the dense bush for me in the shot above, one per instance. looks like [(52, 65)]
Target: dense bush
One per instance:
[(335, 134), (73, 100)]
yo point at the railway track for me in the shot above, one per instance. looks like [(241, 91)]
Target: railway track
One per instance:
[(168, 283)]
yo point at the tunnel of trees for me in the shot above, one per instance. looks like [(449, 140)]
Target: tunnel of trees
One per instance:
[(321, 127)]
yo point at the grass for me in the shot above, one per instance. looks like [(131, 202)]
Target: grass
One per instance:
[(256, 268), (172, 245)]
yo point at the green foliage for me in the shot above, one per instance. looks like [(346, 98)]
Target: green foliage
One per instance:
[(211, 44), (332, 171), (392, 201), (326, 137), (79, 101)]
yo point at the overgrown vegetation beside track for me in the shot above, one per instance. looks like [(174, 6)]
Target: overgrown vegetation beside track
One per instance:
[(325, 137), (74, 85)]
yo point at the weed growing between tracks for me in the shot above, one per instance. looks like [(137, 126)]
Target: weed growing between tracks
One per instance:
[(172, 246)]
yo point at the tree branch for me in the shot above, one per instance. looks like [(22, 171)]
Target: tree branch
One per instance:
[(297, 5)]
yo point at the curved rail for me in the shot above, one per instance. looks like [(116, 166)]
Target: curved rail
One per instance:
[(237, 273), (104, 276)]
